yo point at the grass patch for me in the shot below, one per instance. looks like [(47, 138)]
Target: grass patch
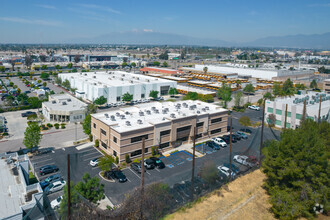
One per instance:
[(32, 178)]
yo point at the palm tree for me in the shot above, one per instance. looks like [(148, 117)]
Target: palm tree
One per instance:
[(238, 83), (205, 69)]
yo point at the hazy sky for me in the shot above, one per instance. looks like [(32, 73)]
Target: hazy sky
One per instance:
[(32, 21)]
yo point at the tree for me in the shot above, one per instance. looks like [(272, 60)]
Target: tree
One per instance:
[(66, 84), (42, 58), (205, 69), (124, 64), (191, 96), (313, 84), (153, 94), (44, 84), (90, 188), (76, 58), (44, 75), (34, 102), (277, 91), (143, 56), (133, 64), (268, 95), (238, 99), (32, 135), (224, 93), (63, 209), (260, 102), (91, 108), (271, 120), (173, 91), (245, 121), (248, 89), (58, 67), (106, 162), (28, 61), (100, 100), (127, 159), (287, 88), (209, 172), (127, 97), (164, 56), (87, 124), (154, 150), (148, 55), (300, 86), (13, 63), (165, 64), (297, 170), (156, 63), (69, 66), (322, 69), (2, 69), (58, 81), (18, 91), (238, 83)]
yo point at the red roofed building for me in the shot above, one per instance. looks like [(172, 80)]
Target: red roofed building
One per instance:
[(160, 70)]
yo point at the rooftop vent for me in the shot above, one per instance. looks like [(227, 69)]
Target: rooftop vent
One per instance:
[(141, 113), (69, 100), (139, 121), (164, 119), (122, 79), (106, 115), (164, 111), (172, 115), (128, 123), (191, 107), (85, 74), (203, 109), (148, 112), (198, 112), (63, 103), (117, 114), (113, 118), (122, 116), (127, 113), (54, 102), (157, 111), (131, 81), (207, 108), (153, 108)]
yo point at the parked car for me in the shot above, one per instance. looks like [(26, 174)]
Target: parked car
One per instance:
[(241, 134), (27, 92), (226, 171), (136, 167), (55, 204), (159, 164), (219, 142), (246, 130), (212, 145), (94, 162), (226, 138), (228, 128), (48, 169), (244, 160), (254, 107), (55, 186), (236, 137), (117, 174), (149, 164), (28, 113), (233, 167), (49, 180)]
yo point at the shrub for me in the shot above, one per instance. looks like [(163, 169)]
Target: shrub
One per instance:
[(124, 164), (153, 150), (63, 126), (90, 137), (57, 125), (247, 104), (117, 160), (127, 159), (49, 125), (97, 143)]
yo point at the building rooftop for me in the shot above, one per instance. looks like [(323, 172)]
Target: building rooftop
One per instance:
[(64, 102), (113, 78), (194, 89), (167, 77), (150, 114)]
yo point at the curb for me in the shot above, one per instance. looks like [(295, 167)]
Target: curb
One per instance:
[(111, 181)]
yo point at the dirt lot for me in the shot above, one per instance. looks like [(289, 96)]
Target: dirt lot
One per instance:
[(242, 198)]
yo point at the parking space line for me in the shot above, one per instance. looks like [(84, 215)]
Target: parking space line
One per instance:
[(43, 165), (89, 150), (157, 169), (134, 173), (39, 158), (148, 172), (90, 158), (128, 179), (95, 167), (91, 153), (40, 161)]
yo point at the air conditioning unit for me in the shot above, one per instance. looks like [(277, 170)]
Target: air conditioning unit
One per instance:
[(141, 113), (128, 123), (113, 118), (106, 115), (139, 121), (172, 115)]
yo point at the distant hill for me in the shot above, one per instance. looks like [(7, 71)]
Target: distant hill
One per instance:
[(316, 41)]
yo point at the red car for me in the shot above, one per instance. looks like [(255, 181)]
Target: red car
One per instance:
[(28, 85)]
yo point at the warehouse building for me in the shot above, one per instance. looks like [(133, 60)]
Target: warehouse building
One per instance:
[(165, 71), (165, 125), (295, 109), (64, 108), (112, 85)]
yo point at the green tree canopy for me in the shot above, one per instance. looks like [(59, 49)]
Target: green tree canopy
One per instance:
[(32, 135), (224, 93), (156, 63), (249, 88), (191, 96), (268, 95), (2, 69), (87, 124), (165, 64), (297, 169), (66, 84), (58, 67), (287, 88), (69, 66), (127, 97), (63, 210), (124, 64), (245, 121), (91, 108), (153, 94), (133, 64), (173, 91), (34, 102), (100, 100), (90, 188), (313, 84), (106, 162), (238, 99), (44, 75)]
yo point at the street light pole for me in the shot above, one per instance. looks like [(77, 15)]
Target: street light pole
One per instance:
[(262, 131)]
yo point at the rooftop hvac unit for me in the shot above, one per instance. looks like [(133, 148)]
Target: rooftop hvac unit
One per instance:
[(127, 113), (153, 108), (139, 121), (117, 114), (164, 119), (198, 112), (148, 112), (157, 111), (203, 109), (95, 84), (138, 78), (207, 108), (191, 107), (128, 123), (69, 100), (122, 79), (85, 74), (167, 109), (131, 81), (113, 118), (63, 103), (164, 111), (106, 115), (148, 80), (54, 102), (113, 76), (122, 116), (123, 75), (172, 115), (141, 113)]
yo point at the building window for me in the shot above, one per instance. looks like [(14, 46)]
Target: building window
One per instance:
[(199, 124), (216, 131), (114, 153), (183, 128), (278, 112), (103, 132), (139, 138), (142, 96), (270, 110), (288, 125), (298, 116), (216, 120), (94, 125), (163, 145), (135, 153), (289, 114), (200, 135), (104, 145), (118, 98), (115, 139), (278, 122), (162, 133)]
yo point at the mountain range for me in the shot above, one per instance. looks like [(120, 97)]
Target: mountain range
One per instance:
[(314, 41)]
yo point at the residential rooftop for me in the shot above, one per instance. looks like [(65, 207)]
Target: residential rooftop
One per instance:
[(149, 114)]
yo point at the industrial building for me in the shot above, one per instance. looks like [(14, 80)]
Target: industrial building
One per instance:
[(165, 71), (230, 71), (165, 125), (113, 84), (326, 86), (295, 109), (64, 108)]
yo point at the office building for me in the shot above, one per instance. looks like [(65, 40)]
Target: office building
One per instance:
[(326, 86), (165, 125)]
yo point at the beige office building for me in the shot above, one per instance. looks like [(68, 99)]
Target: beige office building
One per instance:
[(166, 125), (326, 86)]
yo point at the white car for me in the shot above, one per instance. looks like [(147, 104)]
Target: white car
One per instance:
[(219, 142), (55, 204), (94, 162), (226, 171), (242, 159), (254, 107), (54, 187)]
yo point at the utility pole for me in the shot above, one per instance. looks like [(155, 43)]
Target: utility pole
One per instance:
[(230, 139), (142, 179), (69, 187), (75, 131), (286, 114), (193, 165), (319, 119), (303, 117), (262, 131)]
